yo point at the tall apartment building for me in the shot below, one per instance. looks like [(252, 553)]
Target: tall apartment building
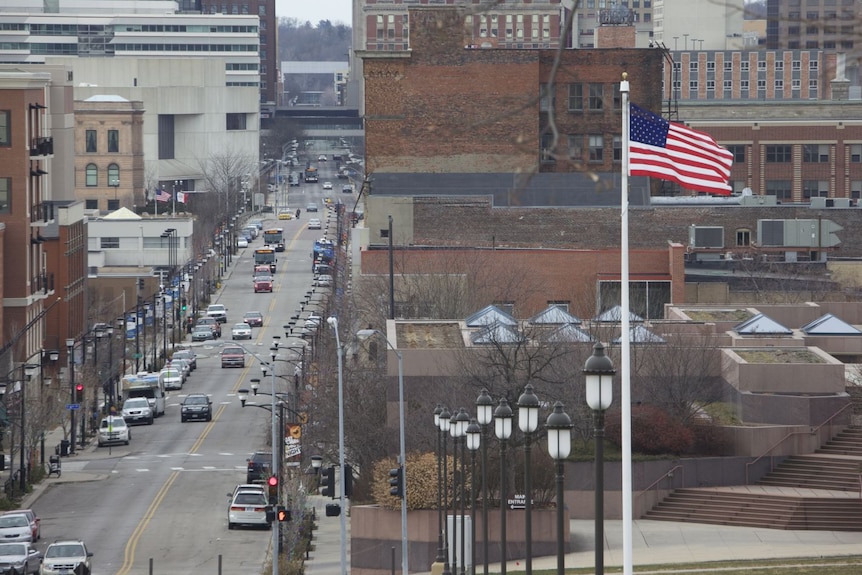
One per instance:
[(824, 24)]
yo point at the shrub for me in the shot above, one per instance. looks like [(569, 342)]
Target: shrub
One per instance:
[(421, 481), (654, 432)]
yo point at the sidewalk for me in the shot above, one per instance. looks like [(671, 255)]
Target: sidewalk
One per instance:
[(325, 557), (653, 543)]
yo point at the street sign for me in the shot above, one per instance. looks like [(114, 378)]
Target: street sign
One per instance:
[(73, 406)]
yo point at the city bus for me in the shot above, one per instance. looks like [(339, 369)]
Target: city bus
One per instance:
[(274, 237), (265, 256)]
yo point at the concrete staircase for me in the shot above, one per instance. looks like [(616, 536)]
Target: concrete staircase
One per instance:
[(818, 492)]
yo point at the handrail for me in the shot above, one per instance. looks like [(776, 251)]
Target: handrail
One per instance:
[(788, 436), (666, 474)]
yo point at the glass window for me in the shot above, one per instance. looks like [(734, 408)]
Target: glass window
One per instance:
[(779, 154), (779, 188), (92, 175), (548, 153), (743, 238), (576, 96), (5, 130), (113, 175), (166, 136), (818, 153), (110, 243), (236, 121), (597, 145), (618, 148), (91, 141), (856, 153), (113, 141), (815, 188), (113, 205), (743, 66), (5, 195), (738, 151), (576, 147), (91, 204), (596, 96)]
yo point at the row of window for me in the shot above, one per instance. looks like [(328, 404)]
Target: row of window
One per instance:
[(91, 175), (86, 29), (91, 141), (745, 85), (782, 189), (745, 66), (140, 47), (150, 243), (582, 147), (237, 9)]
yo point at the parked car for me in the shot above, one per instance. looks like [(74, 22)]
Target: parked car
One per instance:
[(232, 357), (137, 410), (188, 355), (19, 558), (202, 333), (68, 556), (240, 331), (196, 406), (323, 280), (253, 318), (113, 429), (35, 522), (327, 185), (183, 366), (314, 224), (247, 508), (259, 467), (241, 243), (263, 284), (15, 527)]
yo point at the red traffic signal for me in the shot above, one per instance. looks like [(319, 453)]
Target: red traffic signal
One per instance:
[(272, 484), (272, 481), (79, 392)]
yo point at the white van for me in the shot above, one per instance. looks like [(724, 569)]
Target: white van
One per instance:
[(147, 385)]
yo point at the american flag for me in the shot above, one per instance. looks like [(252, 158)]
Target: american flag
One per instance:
[(674, 152), (163, 196)]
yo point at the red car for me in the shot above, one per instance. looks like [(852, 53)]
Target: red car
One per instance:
[(263, 283), (253, 318)]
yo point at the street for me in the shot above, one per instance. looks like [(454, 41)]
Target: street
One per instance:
[(163, 498)]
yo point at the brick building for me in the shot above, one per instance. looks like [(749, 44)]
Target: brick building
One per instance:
[(109, 155)]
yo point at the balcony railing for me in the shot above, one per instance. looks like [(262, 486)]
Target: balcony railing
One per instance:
[(43, 283), (42, 213), (42, 147)]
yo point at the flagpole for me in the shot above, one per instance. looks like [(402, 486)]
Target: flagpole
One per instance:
[(625, 359), (156, 201)]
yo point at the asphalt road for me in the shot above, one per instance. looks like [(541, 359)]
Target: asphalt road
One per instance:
[(163, 498)]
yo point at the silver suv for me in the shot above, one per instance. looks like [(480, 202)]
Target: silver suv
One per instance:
[(66, 557)]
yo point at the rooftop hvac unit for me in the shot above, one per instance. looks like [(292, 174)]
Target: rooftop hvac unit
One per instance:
[(711, 237)]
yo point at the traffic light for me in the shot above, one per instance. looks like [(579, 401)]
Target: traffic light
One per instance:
[(327, 481), (270, 514), (396, 482), (185, 305), (348, 480), (272, 484), (282, 514), (79, 393)]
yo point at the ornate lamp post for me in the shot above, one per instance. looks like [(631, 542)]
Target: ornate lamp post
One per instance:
[(474, 439), (484, 415), (463, 421), (528, 422), (445, 425), (599, 376), (503, 430), (437, 413), (559, 426)]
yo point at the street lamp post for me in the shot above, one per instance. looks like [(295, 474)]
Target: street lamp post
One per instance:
[(484, 415), (70, 346), (474, 439), (333, 322), (463, 421), (528, 422), (445, 425), (599, 376), (437, 413), (402, 455), (559, 426), (503, 430)]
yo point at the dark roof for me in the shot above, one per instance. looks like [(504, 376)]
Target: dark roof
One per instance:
[(508, 190)]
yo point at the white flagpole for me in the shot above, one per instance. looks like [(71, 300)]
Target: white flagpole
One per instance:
[(156, 201), (625, 359)]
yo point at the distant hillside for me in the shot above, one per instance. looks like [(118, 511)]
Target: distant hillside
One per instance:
[(303, 42)]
